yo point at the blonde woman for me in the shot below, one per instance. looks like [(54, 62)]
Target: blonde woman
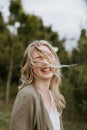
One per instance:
[(39, 103)]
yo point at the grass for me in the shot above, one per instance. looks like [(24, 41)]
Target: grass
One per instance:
[(74, 125), (5, 114)]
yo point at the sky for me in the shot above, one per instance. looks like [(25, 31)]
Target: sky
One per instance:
[(67, 17)]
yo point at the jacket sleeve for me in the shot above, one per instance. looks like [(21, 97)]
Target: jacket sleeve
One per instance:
[(22, 117)]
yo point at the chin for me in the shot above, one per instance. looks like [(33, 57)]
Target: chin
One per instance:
[(48, 76)]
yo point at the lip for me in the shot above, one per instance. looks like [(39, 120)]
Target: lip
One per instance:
[(46, 69)]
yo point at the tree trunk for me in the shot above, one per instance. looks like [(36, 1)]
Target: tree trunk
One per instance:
[(9, 79)]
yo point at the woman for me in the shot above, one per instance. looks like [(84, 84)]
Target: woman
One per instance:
[(39, 103)]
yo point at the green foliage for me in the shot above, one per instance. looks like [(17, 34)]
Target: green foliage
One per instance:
[(2, 25), (79, 81), (79, 55), (15, 7), (68, 90), (83, 107), (78, 77), (74, 124), (5, 114), (18, 54), (4, 48)]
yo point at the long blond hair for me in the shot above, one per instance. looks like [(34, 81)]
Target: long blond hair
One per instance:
[(27, 75)]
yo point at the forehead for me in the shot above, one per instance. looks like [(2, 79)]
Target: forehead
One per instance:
[(43, 48)]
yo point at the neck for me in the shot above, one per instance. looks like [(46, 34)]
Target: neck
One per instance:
[(42, 86)]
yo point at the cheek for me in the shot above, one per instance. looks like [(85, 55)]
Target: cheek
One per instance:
[(53, 70), (53, 60), (35, 70)]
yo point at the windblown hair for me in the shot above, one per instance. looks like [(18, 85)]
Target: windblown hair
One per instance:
[(27, 75)]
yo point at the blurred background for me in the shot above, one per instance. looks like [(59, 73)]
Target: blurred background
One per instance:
[(62, 23)]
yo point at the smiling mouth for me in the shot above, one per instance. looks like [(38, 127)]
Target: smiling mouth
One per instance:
[(45, 69)]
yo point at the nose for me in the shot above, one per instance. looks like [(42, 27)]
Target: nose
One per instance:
[(45, 62)]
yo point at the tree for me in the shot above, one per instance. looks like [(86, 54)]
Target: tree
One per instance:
[(14, 8), (78, 75), (79, 54)]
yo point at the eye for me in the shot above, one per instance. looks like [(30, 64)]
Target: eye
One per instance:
[(39, 58), (49, 55)]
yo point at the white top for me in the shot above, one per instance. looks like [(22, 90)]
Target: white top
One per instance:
[(54, 114)]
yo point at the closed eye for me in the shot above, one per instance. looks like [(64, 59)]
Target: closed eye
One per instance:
[(38, 58)]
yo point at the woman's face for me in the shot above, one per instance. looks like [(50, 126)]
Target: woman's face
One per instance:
[(44, 72)]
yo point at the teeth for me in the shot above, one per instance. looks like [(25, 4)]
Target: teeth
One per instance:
[(46, 69)]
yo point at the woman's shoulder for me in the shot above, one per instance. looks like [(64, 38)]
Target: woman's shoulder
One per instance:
[(27, 90), (25, 97), (26, 94)]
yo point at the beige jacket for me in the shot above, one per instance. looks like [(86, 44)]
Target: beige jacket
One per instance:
[(29, 112)]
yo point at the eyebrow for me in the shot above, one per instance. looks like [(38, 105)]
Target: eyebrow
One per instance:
[(49, 53), (37, 57)]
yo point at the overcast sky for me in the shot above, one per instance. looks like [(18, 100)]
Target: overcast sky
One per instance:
[(67, 17)]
